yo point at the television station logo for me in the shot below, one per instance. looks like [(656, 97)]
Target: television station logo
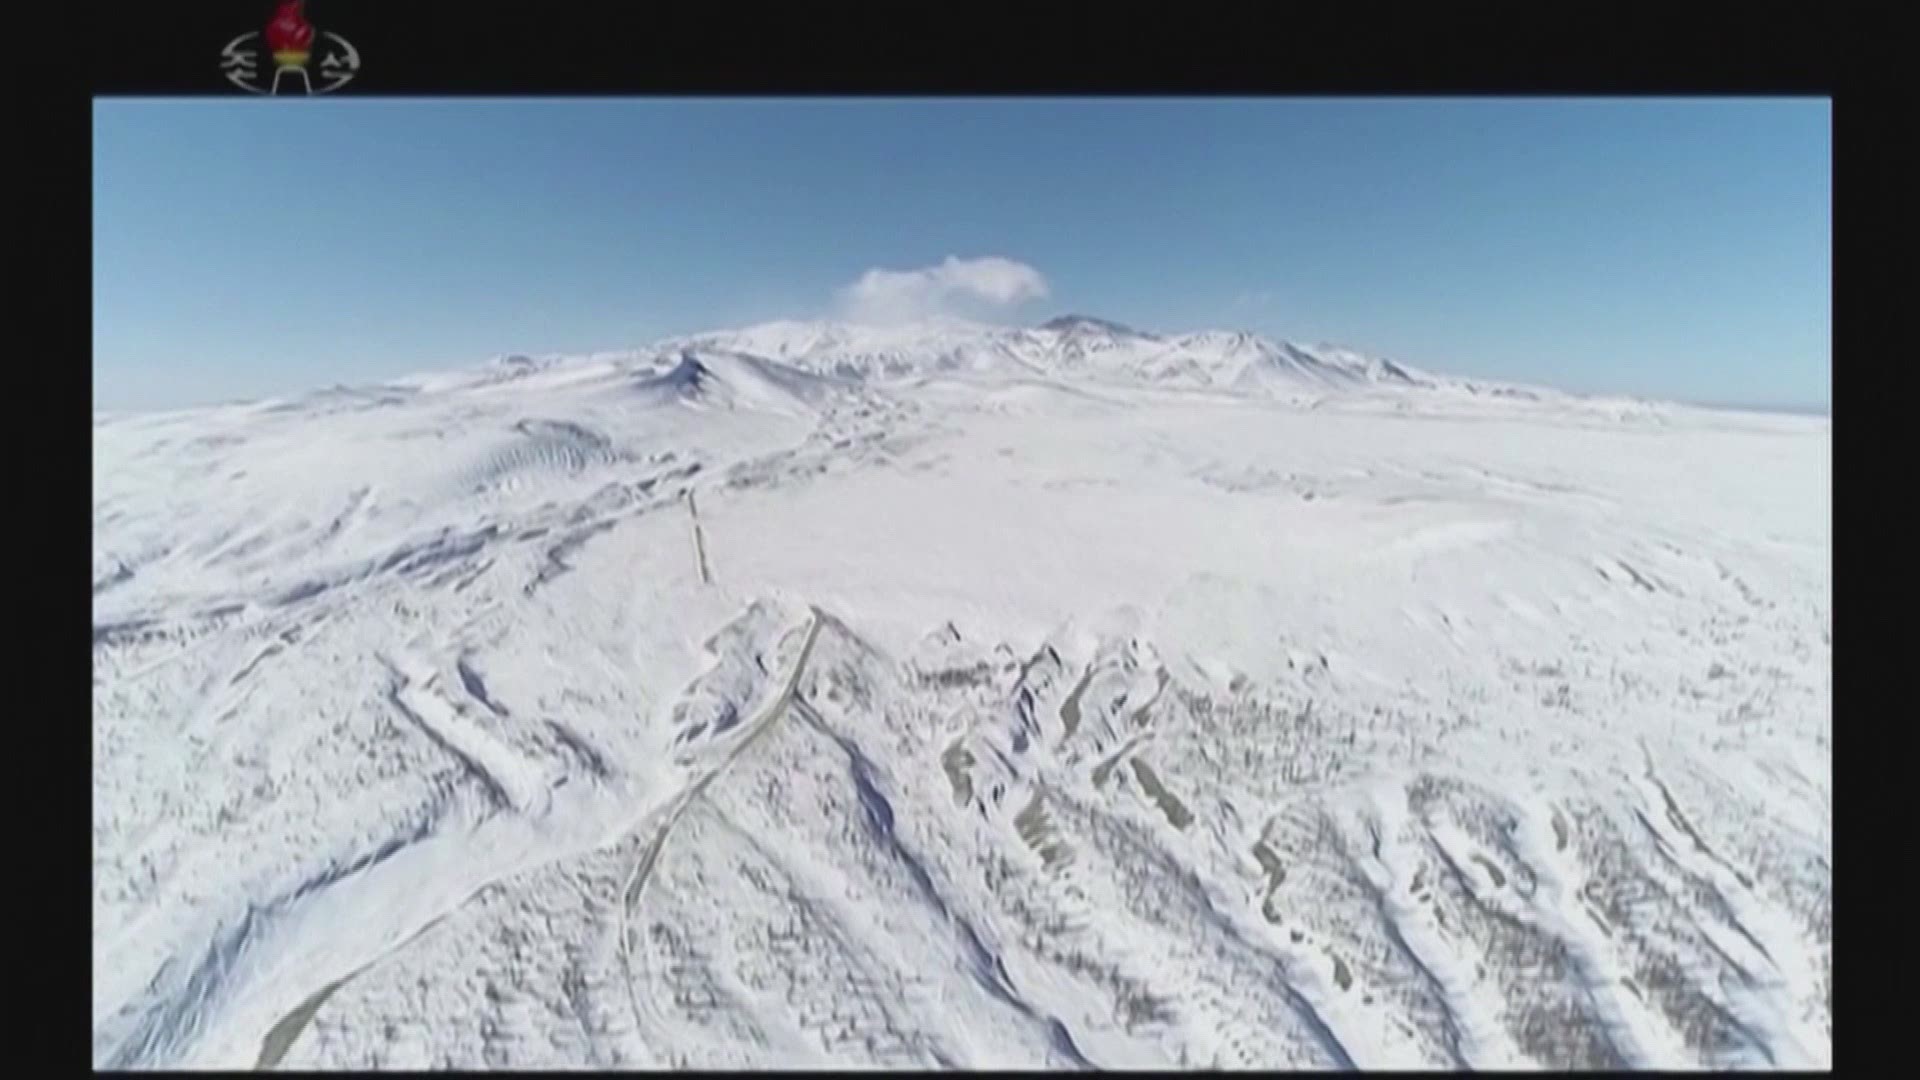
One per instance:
[(301, 60)]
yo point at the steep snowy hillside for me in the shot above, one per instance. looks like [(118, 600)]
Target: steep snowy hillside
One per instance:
[(952, 696)]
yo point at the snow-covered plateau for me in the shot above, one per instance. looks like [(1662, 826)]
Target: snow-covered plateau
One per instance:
[(950, 696)]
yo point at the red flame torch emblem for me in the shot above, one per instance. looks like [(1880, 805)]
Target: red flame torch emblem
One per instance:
[(289, 34)]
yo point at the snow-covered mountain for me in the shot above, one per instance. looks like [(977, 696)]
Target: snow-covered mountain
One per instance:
[(1072, 346), (718, 379), (813, 695), (1083, 349)]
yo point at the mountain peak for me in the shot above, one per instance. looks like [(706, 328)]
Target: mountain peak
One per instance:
[(1070, 323)]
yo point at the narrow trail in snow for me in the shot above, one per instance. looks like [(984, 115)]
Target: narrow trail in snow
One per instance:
[(699, 540), (644, 866), (281, 1036), (287, 1030)]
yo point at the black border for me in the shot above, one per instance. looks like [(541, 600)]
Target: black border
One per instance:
[(655, 47), (609, 47)]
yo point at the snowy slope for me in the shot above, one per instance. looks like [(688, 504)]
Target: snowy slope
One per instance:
[(955, 696)]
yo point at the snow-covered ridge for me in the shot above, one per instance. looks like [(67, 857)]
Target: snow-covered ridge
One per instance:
[(1082, 348), (1072, 346), (1069, 349)]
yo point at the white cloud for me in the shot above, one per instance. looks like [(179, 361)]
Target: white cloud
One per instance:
[(953, 287)]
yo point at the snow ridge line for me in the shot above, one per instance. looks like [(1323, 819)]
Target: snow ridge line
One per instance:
[(988, 969), (1390, 912), (1246, 947), (1761, 1007), (510, 780)]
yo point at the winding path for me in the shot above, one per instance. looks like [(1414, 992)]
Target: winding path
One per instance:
[(643, 867)]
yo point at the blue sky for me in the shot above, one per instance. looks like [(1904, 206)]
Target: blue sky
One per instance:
[(1671, 248)]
